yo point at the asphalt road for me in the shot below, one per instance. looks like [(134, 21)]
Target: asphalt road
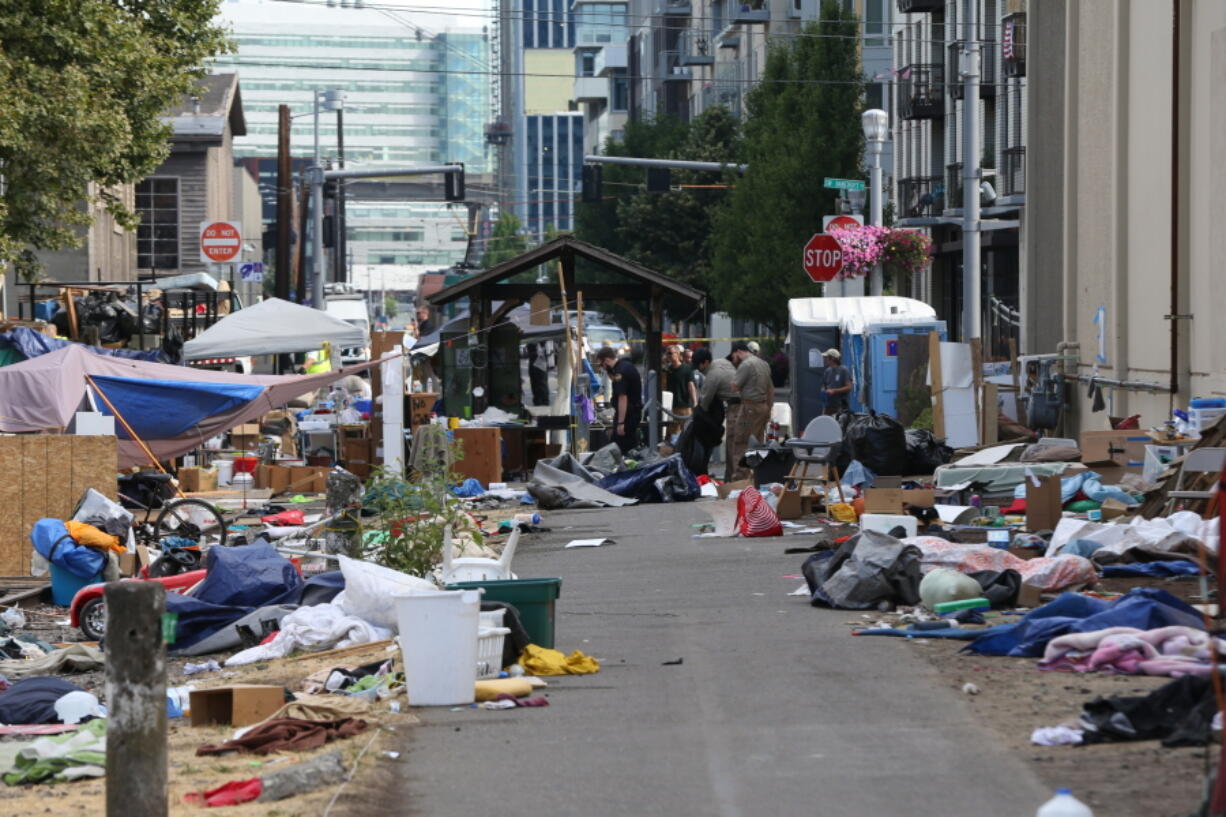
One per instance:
[(776, 710)]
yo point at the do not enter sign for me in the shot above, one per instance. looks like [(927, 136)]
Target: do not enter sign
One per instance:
[(823, 258), (220, 241)]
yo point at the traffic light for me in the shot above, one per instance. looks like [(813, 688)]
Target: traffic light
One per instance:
[(659, 179), (593, 176), (453, 183)]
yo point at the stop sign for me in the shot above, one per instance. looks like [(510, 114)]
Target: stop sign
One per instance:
[(220, 241), (823, 258)]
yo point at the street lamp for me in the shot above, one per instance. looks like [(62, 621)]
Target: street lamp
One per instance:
[(876, 124)]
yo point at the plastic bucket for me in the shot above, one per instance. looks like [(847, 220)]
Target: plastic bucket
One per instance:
[(65, 584), (245, 465), (438, 644), (225, 471)]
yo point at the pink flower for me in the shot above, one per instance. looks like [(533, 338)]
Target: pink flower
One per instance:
[(865, 247)]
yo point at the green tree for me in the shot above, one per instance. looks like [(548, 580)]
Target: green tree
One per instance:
[(506, 240), (803, 125), (390, 306), (82, 84)]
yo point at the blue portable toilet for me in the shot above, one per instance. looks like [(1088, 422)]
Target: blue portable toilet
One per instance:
[(866, 331)]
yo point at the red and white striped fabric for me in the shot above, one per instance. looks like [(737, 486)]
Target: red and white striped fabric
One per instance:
[(754, 517)]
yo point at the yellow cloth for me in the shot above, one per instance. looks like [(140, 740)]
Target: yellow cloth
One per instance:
[(491, 689), (84, 534), (842, 512), (541, 661)]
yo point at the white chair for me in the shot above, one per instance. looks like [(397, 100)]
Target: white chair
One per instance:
[(1196, 463), (477, 568)]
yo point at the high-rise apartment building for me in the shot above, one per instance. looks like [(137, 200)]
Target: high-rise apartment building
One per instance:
[(928, 123), (413, 96)]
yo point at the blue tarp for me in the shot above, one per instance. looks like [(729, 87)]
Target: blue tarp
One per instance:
[(1158, 569), (161, 409), (1145, 608), (1090, 484), (51, 539), (32, 344), (239, 580)]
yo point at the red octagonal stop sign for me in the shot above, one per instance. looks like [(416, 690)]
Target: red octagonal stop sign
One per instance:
[(823, 258)]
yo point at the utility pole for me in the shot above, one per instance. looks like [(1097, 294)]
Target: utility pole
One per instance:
[(315, 177), (285, 204), (338, 244), (971, 296)]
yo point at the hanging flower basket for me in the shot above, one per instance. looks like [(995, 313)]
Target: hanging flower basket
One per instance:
[(865, 247)]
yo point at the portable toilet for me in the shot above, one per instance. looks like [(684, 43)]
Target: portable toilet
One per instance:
[(866, 331)]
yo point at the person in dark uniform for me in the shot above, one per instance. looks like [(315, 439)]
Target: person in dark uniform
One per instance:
[(627, 398), (836, 382), (538, 374)]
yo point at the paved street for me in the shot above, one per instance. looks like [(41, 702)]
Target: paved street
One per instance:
[(775, 710)]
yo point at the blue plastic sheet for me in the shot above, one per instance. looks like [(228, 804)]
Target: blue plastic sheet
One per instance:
[(1146, 608), (239, 580), (32, 344), (948, 633), (51, 539), (161, 409), (856, 474), (1089, 483), (1159, 569), (667, 480), (468, 489)]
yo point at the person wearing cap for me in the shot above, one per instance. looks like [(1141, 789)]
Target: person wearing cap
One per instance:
[(753, 385), (836, 382), (627, 398)]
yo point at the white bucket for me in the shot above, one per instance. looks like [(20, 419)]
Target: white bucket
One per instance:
[(225, 471), (438, 644)]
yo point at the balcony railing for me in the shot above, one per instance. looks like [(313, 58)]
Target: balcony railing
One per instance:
[(746, 13), (1013, 171), (669, 68), (987, 70), (1013, 44), (921, 197), (696, 47), (920, 6), (953, 186), (729, 96), (921, 90)]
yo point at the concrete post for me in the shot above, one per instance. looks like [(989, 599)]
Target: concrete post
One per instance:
[(136, 700)]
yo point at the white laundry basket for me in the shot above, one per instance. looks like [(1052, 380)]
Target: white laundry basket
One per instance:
[(489, 644), (438, 644)]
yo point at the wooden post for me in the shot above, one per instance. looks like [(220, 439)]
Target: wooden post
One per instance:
[(570, 355), (581, 381), (938, 403), (71, 306), (136, 775), (977, 384)]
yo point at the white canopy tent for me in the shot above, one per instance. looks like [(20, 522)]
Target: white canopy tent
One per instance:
[(272, 327)]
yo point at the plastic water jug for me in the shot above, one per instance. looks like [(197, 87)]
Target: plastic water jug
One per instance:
[(1064, 804)]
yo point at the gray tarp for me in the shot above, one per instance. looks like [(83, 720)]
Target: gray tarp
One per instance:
[(554, 488)]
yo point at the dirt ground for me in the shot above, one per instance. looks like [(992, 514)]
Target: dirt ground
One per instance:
[(1137, 779)]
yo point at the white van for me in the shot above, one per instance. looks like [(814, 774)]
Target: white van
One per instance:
[(352, 310)]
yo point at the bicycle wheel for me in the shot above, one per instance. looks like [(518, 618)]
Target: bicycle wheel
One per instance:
[(192, 519)]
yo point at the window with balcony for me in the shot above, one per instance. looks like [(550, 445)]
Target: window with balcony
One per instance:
[(619, 96), (601, 23), (157, 236), (585, 63)]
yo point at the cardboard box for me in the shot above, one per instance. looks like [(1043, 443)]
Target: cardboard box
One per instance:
[(482, 454), (245, 437), (1113, 509), (1029, 596), (794, 503), (1043, 504), (358, 450), (729, 487), (194, 479), (308, 479), (896, 500), (129, 563), (419, 407), (274, 477), (237, 705), (1123, 448), (361, 470)]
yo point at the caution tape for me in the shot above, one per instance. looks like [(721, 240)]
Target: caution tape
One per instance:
[(703, 340)]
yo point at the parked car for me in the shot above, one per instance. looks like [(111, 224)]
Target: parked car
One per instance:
[(352, 310)]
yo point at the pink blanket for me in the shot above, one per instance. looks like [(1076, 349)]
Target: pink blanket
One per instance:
[(1169, 651)]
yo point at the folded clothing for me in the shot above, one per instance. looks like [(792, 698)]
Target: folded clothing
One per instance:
[(291, 734)]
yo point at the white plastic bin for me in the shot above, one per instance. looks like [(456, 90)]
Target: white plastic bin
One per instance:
[(438, 644), (886, 522), (225, 471), (490, 637)]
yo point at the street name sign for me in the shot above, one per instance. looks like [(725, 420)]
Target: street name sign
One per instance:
[(842, 184)]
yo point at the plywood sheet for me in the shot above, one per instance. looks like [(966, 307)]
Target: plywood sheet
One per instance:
[(61, 501), (34, 486), (11, 542)]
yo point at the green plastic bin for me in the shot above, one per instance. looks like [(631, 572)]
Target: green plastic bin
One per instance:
[(535, 600)]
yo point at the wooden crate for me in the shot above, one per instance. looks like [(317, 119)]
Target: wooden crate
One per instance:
[(42, 476), (482, 458)]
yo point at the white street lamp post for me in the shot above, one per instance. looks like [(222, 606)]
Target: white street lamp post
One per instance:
[(876, 124)]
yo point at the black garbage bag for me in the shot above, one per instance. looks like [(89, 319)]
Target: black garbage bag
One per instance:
[(879, 442), (666, 480), (867, 570), (925, 452), (691, 450), (1179, 713)]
